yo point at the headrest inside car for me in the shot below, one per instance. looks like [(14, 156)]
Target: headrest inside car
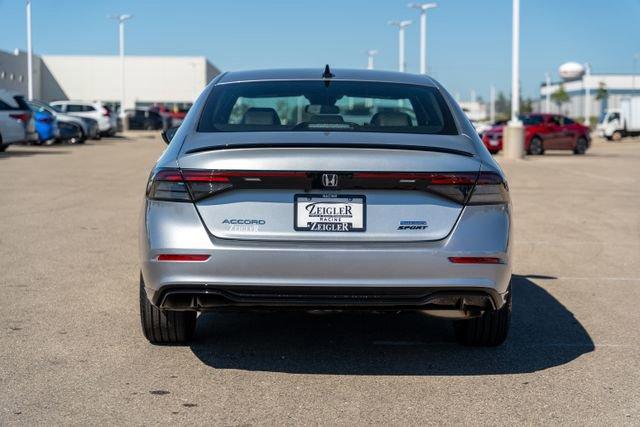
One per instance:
[(391, 118), (261, 116)]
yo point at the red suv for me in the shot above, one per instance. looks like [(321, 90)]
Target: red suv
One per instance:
[(544, 132)]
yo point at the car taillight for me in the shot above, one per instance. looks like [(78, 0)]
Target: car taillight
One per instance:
[(23, 117), (188, 185), (490, 189), (167, 184), (106, 112), (471, 188), (475, 260), (183, 257)]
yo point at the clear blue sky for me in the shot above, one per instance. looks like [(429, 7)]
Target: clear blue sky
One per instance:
[(469, 40)]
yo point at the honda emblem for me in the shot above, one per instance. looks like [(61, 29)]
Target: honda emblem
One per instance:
[(330, 180)]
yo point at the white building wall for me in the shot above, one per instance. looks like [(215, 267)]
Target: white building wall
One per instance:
[(148, 79), (617, 85)]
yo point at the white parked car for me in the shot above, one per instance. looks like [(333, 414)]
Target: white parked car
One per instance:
[(15, 116), (107, 120)]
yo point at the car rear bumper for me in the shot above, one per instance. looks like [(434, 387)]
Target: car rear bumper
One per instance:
[(269, 273)]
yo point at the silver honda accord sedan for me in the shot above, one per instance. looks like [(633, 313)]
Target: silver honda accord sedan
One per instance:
[(326, 189)]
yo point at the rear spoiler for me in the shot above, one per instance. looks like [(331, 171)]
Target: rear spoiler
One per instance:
[(330, 145)]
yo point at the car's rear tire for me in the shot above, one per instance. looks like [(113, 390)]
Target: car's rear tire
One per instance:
[(494, 152), (536, 147), (488, 330), (581, 146), (616, 136), (165, 326)]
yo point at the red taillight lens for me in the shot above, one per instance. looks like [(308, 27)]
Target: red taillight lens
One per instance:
[(187, 185), (183, 257), (23, 117), (196, 184), (456, 186), (474, 260), (106, 112)]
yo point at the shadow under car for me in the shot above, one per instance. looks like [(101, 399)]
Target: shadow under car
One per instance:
[(544, 334)]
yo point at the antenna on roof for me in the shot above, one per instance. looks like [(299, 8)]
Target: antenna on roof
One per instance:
[(327, 72)]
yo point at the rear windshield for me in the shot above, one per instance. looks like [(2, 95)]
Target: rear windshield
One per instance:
[(337, 106), (22, 104)]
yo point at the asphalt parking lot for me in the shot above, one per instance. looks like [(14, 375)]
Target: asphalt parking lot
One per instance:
[(72, 351)]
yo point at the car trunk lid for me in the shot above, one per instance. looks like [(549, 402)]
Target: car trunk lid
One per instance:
[(402, 191)]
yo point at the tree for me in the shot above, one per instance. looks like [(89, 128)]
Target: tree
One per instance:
[(526, 106), (503, 105), (560, 96), (602, 92)]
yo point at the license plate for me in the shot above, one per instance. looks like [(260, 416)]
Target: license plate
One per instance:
[(494, 141), (329, 213)]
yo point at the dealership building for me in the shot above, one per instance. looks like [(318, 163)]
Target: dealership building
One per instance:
[(149, 80), (611, 87)]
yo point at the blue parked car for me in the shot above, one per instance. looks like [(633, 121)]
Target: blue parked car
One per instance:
[(46, 124)]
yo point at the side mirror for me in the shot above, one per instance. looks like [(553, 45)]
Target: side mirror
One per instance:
[(168, 134)]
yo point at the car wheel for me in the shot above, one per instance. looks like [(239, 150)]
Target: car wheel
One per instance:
[(76, 139), (535, 147), (581, 146), (616, 136), (165, 326), (494, 152), (489, 330)]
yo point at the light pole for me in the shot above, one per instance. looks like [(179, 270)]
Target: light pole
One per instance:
[(587, 94), (547, 100), (514, 131), (633, 85), (121, 19), (401, 26), (633, 73), (371, 54), (29, 54), (423, 7)]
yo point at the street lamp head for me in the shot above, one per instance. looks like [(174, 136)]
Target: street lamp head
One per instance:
[(400, 24), (423, 6), (120, 18), (372, 52)]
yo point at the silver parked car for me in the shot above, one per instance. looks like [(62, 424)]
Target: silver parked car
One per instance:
[(16, 122), (326, 190)]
